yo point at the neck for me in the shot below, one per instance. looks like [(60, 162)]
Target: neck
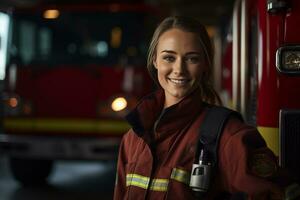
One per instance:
[(170, 101)]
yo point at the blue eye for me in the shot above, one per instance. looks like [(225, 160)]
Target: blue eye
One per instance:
[(193, 59), (169, 58)]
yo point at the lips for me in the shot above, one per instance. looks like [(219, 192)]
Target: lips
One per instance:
[(179, 81)]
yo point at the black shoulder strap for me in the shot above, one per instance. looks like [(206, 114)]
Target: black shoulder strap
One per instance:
[(212, 128)]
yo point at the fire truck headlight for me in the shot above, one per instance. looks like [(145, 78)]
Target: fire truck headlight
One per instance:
[(12, 102), (118, 104), (14, 105), (288, 59)]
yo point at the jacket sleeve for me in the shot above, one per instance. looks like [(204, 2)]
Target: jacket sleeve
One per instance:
[(120, 183), (246, 164)]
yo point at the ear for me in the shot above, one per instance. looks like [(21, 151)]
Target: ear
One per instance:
[(154, 63)]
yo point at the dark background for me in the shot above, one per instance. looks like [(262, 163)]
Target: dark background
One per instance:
[(210, 12)]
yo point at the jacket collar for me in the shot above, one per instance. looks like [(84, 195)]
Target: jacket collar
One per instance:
[(149, 115)]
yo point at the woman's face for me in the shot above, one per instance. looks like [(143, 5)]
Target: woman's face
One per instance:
[(179, 62)]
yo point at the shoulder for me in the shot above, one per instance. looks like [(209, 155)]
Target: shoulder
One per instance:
[(130, 144), (241, 141), (239, 131), (130, 138)]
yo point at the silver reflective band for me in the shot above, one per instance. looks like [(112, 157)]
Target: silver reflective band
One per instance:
[(143, 182), (180, 175), (157, 184)]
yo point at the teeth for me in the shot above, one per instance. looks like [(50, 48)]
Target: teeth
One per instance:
[(178, 81)]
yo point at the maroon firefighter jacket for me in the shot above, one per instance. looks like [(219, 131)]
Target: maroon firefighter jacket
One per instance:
[(156, 155)]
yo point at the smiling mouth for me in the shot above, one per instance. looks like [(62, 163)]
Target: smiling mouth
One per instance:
[(179, 82)]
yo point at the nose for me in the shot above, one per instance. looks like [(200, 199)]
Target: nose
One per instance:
[(179, 67)]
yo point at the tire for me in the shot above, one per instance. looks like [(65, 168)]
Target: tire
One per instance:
[(30, 172)]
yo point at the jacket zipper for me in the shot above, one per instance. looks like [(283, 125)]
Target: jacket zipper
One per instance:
[(152, 173), (153, 151)]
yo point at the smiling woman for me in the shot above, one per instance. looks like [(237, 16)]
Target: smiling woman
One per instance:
[(188, 47), (179, 63), (156, 156)]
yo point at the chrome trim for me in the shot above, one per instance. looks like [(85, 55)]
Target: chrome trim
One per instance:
[(274, 6), (88, 148), (244, 57), (235, 55), (4, 43), (280, 155)]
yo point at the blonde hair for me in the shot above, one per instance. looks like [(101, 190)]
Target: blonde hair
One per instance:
[(187, 24)]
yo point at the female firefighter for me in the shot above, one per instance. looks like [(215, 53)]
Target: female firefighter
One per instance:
[(157, 154)]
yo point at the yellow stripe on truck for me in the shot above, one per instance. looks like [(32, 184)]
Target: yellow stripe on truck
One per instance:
[(66, 125), (271, 136)]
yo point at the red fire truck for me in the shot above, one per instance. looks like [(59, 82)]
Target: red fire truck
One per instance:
[(261, 71), (72, 73)]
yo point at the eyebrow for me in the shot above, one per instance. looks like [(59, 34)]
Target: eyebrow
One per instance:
[(168, 51), (173, 52)]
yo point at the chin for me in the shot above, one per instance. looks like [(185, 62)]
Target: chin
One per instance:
[(180, 95), (183, 94)]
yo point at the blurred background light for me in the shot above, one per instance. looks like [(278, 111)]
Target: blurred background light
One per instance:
[(119, 104), (51, 14)]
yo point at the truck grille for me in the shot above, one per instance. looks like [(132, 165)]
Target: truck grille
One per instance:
[(290, 140)]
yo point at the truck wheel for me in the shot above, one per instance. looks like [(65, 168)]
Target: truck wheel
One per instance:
[(30, 172)]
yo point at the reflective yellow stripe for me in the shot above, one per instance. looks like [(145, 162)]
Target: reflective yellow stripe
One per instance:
[(143, 182), (157, 184), (137, 180), (66, 125), (271, 136), (180, 175)]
